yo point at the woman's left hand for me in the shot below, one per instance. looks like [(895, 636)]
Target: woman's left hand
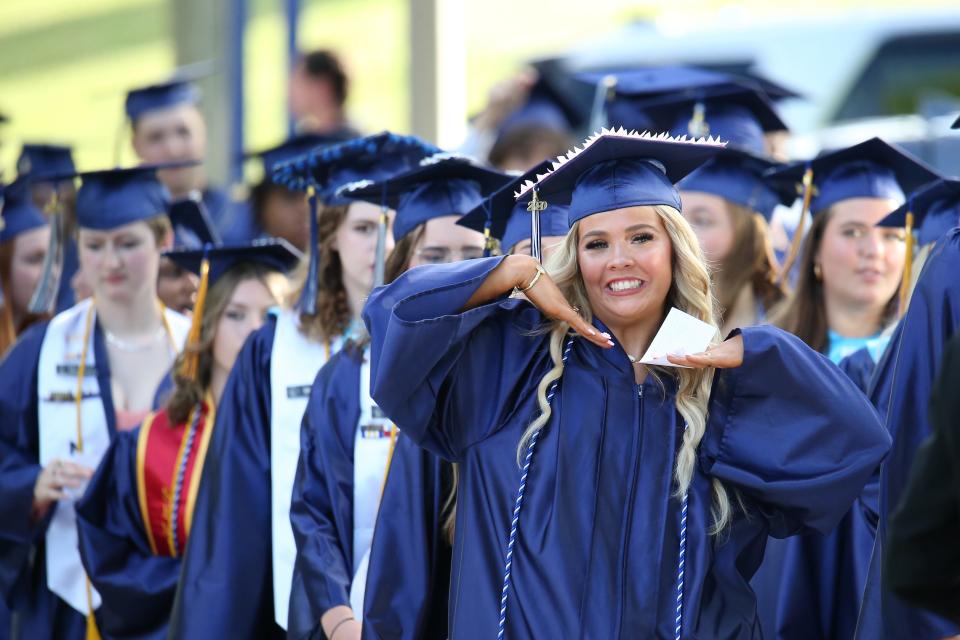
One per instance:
[(726, 355)]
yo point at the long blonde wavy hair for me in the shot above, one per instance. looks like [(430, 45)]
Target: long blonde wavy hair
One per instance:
[(690, 292)]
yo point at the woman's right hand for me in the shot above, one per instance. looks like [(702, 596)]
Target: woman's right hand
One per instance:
[(53, 479), (546, 296), (520, 272)]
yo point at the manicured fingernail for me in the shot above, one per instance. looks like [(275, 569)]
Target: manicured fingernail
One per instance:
[(610, 342), (607, 335)]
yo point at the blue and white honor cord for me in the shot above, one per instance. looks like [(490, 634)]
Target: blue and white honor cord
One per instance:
[(519, 503), (181, 470), (512, 540), (681, 562)]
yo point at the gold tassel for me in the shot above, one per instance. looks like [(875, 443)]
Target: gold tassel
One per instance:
[(798, 233), (907, 266), (191, 359), (92, 632)]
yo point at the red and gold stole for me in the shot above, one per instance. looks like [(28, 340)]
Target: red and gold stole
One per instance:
[(169, 466)]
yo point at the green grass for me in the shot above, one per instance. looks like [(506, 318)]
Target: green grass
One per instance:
[(65, 64)]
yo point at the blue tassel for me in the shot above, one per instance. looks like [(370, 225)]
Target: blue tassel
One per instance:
[(308, 299)]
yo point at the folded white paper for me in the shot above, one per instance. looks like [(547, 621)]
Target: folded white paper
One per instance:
[(680, 334)]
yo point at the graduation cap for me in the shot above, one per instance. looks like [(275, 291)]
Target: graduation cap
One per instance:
[(293, 147), (370, 158), (274, 253), (739, 177), (648, 83), (956, 124), (160, 96), (210, 263), (648, 98), (192, 226), (618, 169), (500, 216), (19, 214), (871, 169), (740, 117), (322, 172), (442, 185), (40, 160), (111, 198), (929, 212)]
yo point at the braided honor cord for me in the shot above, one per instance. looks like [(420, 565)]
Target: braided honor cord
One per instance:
[(682, 560), (519, 503)]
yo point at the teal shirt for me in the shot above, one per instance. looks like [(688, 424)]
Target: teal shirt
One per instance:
[(841, 347)]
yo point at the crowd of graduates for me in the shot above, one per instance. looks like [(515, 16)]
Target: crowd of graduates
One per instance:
[(403, 392)]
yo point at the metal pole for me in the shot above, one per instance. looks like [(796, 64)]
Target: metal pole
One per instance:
[(237, 19), (292, 14)]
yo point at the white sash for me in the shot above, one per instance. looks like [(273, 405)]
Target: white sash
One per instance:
[(294, 363), (370, 453), (57, 419)]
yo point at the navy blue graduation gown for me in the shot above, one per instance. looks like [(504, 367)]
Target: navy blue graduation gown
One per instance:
[(409, 543), (859, 367), (597, 548), (226, 586), (903, 386), (137, 586), (811, 585), (39, 613), (321, 509)]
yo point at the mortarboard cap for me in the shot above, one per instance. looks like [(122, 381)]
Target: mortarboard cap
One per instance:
[(956, 124), (502, 217), (160, 96), (618, 169), (871, 169), (741, 118), (294, 147), (40, 160), (273, 253), (111, 198), (442, 185), (371, 158), (19, 214), (935, 209), (739, 177)]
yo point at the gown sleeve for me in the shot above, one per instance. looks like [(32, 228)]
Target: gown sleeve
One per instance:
[(445, 375), (791, 433), (19, 455), (137, 587), (321, 509), (922, 558), (408, 584), (225, 590)]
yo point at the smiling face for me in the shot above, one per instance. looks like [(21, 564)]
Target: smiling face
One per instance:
[(625, 258), (861, 265), (120, 264)]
